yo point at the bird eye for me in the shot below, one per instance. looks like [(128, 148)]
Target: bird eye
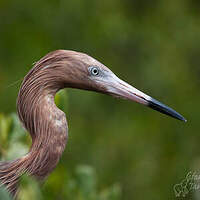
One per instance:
[(94, 71)]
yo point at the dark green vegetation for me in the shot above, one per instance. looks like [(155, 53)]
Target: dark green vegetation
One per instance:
[(113, 144)]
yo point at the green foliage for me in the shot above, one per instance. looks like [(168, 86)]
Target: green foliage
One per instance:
[(4, 195), (29, 189), (13, 138), (61, 99), (84, 186)]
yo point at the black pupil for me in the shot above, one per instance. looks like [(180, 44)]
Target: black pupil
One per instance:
[(95, 71)]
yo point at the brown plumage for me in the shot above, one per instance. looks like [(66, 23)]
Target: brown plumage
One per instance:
[(46, 123)]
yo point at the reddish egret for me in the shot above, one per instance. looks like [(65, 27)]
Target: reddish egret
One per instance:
[(46, 123)]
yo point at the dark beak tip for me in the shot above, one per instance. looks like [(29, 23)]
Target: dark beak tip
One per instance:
[(156, 105), (183, 119), (178, 116)]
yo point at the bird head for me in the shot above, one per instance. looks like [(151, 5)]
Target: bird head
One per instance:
[(78, 70)]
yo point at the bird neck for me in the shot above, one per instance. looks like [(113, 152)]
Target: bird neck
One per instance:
[(50, 125), (47, 126)]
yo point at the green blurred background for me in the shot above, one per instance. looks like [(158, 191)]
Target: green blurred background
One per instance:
[(134, 152)]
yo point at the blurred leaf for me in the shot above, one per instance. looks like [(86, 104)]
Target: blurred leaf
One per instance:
[(86, 179), (4, 194), (112, 193), (5, 129), (29, 189), (61, 99)]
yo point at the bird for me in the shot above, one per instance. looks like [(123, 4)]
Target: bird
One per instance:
[(46, 123)]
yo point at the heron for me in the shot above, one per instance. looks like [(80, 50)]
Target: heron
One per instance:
[(46, 123)]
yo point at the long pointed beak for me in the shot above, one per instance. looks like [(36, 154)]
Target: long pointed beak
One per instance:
[(119, 88)]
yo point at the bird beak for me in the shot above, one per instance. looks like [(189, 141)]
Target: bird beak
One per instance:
[(118, 88)]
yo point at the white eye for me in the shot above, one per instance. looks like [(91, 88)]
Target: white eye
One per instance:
[(94, 71)]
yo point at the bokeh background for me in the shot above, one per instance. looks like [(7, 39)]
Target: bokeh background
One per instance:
[(116, 149)]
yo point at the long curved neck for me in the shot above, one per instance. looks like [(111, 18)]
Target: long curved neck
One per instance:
[(46, 123)]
